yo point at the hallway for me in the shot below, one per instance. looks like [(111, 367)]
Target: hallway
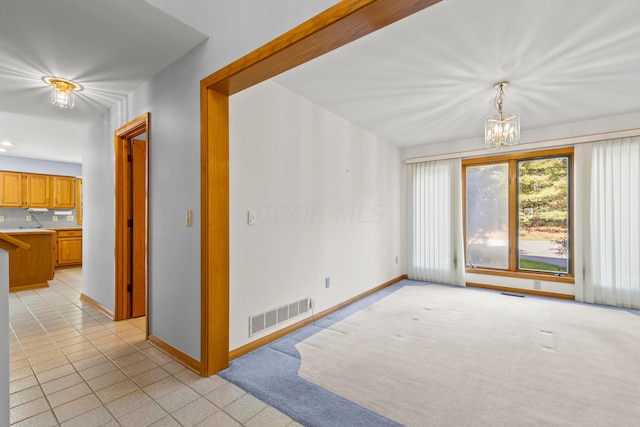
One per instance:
[(73, 366)]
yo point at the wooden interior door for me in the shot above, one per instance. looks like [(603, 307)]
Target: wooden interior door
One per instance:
[(132, 208), (139, 229), (127, 235)]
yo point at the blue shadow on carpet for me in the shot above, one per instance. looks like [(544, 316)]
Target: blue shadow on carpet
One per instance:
[(270, 373)]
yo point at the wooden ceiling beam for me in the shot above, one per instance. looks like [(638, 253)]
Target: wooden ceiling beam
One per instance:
[(337, 26)]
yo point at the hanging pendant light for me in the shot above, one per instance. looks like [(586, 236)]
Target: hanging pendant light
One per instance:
[(501, 131), (62, 91)]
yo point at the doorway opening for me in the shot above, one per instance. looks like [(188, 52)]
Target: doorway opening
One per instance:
[(340, 24), (132, 219)]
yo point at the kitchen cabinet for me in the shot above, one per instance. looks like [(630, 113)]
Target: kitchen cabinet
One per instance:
[(36, 190), (64, 192), (10, 189), (68, 247), (32, 190)]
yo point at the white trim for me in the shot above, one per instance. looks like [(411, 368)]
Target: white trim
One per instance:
[(555, 143)]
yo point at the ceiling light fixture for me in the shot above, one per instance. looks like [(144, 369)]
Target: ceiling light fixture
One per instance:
[(62, 91), (501, 131), (5, 143)]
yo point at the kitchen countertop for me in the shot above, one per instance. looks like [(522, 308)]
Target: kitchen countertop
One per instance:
[(64, 228), (26, 230)]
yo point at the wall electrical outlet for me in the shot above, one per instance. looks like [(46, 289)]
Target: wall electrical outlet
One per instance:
[(189, 219), (396, 260), (54, 218), (28, 217), (327, 282), (1, 218), (536, 285)]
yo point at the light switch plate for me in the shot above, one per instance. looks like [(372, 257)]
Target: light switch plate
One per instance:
[(28, 217), (189, 219), (54, 218), (69, 217), (251, 218)]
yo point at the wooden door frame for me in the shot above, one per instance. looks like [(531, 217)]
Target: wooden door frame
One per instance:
[(337, 26), (122, 138)]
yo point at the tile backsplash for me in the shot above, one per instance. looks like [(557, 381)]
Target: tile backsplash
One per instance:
[(17, 218)]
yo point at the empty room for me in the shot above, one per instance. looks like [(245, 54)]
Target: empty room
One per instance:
[(352, 213)]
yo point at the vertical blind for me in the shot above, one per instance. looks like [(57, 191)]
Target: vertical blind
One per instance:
[(436, 248), (614, 259), (607, 242)]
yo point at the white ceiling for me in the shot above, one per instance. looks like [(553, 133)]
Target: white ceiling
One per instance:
[(426, 79), (109, 47), (430, 77)]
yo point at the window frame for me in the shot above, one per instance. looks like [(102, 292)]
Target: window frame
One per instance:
[(512, 160)]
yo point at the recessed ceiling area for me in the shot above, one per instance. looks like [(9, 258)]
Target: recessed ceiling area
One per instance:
[(109, 47), (430, 77)]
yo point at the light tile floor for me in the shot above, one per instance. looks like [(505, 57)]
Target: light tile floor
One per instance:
[(73, 366)]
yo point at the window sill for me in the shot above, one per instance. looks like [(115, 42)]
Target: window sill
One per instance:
[(547, 277)]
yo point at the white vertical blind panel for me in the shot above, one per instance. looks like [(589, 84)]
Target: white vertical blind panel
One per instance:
[(615, 213), (435, 222)]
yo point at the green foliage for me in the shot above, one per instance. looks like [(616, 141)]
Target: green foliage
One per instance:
[(544, 187), (561, 246), (527, 264)]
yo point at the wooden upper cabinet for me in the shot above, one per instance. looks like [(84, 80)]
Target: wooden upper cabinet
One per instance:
[(11, 189), (33, 190), (37, 190), (64, 192)]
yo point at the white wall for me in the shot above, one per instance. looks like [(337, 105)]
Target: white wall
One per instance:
[(173, 99), (98, 217), (326, 195), (25, 164), (194, 13)]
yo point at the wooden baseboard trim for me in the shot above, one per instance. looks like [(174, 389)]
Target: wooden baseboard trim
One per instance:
[(253, 345), (95, 304), (29, 287), (181, 357), (65, 267), (521, 291)]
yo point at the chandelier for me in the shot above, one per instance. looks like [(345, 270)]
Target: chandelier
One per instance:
[(62, 91), (501, 131)]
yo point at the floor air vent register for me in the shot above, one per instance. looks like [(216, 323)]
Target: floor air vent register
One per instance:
[(269, 319)]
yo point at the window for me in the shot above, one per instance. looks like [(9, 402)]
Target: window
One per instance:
[(518, 213)]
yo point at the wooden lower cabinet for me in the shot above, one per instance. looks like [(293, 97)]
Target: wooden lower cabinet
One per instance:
[(33, 267), (68, 248)]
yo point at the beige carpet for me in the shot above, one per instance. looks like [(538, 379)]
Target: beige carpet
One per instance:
[(443, 356)]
